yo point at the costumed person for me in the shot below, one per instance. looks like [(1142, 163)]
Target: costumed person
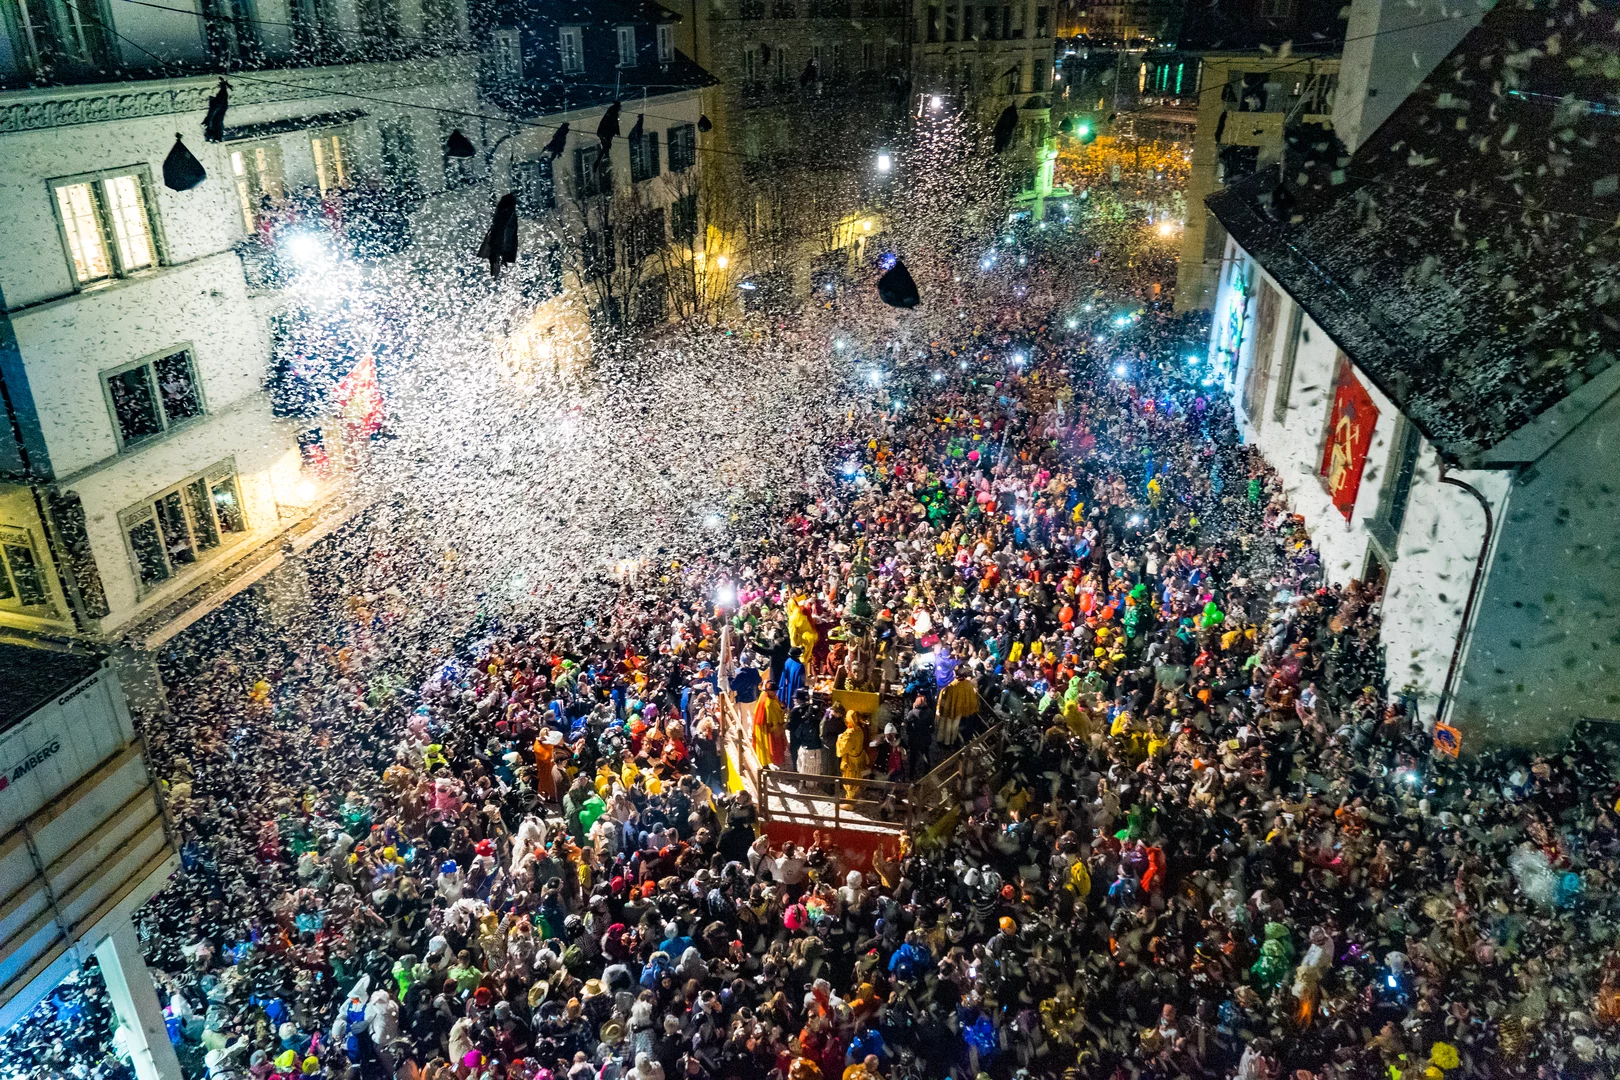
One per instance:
[(770, 730), (852, 755), (959, 700)]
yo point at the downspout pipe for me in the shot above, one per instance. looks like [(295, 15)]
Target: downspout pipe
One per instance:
[(1473, 589)]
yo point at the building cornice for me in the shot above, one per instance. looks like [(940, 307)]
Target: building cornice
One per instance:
[(67, 106)]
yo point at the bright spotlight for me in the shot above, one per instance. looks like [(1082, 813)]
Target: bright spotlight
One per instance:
[(1072, 323), (722, 262), (713, 521), (306, 247), (726, 596), (884, 162), (1120, 370), (936, 103), (939, 376), (1167, 228)]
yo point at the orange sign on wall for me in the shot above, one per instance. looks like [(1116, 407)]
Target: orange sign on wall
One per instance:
[(1349, 434)]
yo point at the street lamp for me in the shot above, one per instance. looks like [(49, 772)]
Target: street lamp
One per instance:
[(885, 161)]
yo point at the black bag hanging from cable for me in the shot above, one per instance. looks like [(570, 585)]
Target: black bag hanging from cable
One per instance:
[(501, 242), (608, 129), (181, 169), (896, 287), (214, 121), (558, 142), (1006, 124)]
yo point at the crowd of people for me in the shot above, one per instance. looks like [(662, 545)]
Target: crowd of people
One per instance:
[(1211, 844)]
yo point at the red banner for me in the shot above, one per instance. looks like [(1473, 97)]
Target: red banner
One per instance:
[(360, 400), (1349, 434)]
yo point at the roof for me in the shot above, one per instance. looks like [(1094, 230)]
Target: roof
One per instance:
[(30, 677), (1466, 257)]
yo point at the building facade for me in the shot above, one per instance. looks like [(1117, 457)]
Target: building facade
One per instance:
[(147, 345), (615, 232), (810, 93), (1431, 371)]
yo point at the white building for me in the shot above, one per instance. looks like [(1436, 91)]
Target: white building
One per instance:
[(144, 463), (1421, 338)]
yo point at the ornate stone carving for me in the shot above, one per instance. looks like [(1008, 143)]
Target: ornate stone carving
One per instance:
[(37, 110)]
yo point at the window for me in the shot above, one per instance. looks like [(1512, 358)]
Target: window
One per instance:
[(256, 168), (1285, 372), (150, 396), (309, 24), (683, 222), (458, 171), (666, 43), (1017, 30), (596, 250), (1397, 490), (868, 56), (933, 23), (753, 73), (644, 157), (592, 175), (399, 165), (506, 54), (22, 579), (229, 29), (536, 185), (751, 9), (331, 149), (1006, 22), (59, 37), (571, 49), (1255, 386), (1042, 78), (1043, 22), (952, 13), (786, 9), (647, 235), (682, 147), (175, 529), (107, 225), (379, 19), (439, 20), (627, 46)]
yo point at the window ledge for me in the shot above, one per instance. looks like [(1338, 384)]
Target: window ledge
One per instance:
[(130, 449), (101, 288)]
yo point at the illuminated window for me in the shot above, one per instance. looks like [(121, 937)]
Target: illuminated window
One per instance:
[(331, 151), (106, 224), (183, 525), (627, 46), (666, 43), (22, 573), (260, 187)]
